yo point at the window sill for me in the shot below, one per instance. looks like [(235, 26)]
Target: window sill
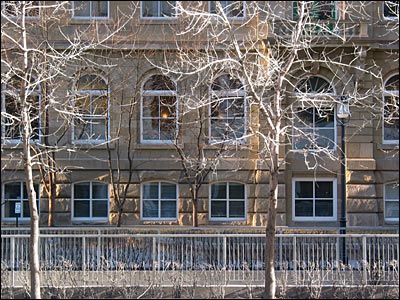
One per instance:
[(88, 20), (156, 146), (388, 146), (157, 21)]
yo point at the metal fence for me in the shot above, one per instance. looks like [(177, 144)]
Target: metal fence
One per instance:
[(125, 258)]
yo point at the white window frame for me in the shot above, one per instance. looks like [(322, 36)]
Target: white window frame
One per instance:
[(393, 93), (223, 95), (227, 200), (224, 6), (314, 218), (90, 199), (3, 10), (91, 118), (158, 12), (383, 11), (91, 12), (315, 95), (157, 93), (21, 200), (29, 92), (385, 200), (159, 201)]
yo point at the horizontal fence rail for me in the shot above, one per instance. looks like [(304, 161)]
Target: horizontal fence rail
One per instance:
[(127, 258)]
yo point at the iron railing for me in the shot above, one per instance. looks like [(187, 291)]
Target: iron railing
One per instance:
[(133, 258)]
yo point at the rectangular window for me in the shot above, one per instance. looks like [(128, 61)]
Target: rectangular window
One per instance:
[(159, 201), (15, 8), (314, 129), (158, 9), (227, 202), (90, 201), (316, 11), (391, 9), (391, 202), (14, 193), (314, 200), (232, 9), (90, 9)]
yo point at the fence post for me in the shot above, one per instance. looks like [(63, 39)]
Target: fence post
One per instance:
[(224, 257), (84, 259), (153, 254), (295, 258), (364, 249), (98, 251), (12, 261)]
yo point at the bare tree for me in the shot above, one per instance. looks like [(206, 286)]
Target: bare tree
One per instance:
[(270, 46), (33, 63)]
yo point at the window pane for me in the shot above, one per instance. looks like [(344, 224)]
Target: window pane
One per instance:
[(325, 138), (25, 209), (150, 190), (304, 117), (167, 129), (12, 128), (25, 192), (12, 190), (234, 9), (392, 191), (304, 208), (218, 209), (391, 9), (91, 82), (150, 108), (168, 191), (167, 8), (323, 208), (323, 189), (82, 190), (391, 131), (149, 8), (324, 118), (99, 106), (99, 8), (81, 8), (304, 189), (167, 107), (81, 209), (392, 209), (99, 209), (303, 139), (150, 209), (236, 209), (236, 191), (226, 82), (151, 129), (98, 129), (99, 190), (218, 191), (81, 129), (10, 209), (168, 209)]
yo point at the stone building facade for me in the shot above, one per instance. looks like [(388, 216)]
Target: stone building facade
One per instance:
[(124, 86)]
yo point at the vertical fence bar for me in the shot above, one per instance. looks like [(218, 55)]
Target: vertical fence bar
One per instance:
[(364, 254), (84, 259), (295, 259), (153, 254), (12, 257)]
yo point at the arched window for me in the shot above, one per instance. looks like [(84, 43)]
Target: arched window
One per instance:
[(391, 111), (15, 193), (391, 196), (228, 201), (314, 123), (11, 117), (159, 110), (90, 201), (91, 104), (159, 201), (228, 109)]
